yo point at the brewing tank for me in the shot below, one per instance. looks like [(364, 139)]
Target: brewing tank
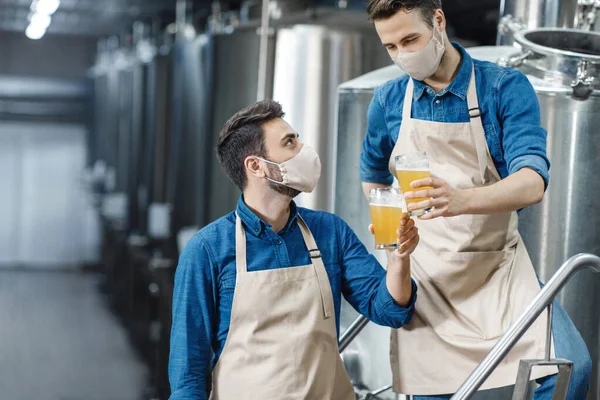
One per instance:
[(308, 57), (526, 14), (564, 223)]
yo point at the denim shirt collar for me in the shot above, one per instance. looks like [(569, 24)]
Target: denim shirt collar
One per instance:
[(255, 225), (459, 85)]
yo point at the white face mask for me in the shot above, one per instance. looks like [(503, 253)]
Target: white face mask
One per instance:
[(301, 172), (424, 63)]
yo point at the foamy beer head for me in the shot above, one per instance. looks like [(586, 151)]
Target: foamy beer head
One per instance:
[(386, 206)]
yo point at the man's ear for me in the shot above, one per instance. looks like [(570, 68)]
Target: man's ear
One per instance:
[(440, 20), (253, 166)]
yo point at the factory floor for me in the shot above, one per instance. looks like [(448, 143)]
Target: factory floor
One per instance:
[(58, 340)]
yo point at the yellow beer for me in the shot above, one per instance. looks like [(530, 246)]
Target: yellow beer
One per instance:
[(386, 222), (406, 177)]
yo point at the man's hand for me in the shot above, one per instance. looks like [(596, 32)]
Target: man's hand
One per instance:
[(445, 200), (397, 278), (408, 237)]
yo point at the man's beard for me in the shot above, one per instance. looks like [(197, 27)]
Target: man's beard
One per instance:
[(275, 174)]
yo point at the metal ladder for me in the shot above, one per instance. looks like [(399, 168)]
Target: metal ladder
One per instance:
[(542, 301)]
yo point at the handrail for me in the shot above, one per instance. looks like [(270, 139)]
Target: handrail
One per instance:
[(515, 332), (353, 330)]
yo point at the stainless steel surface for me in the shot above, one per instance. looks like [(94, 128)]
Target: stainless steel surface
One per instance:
[(352, 332), (562, 56), (587, 14), (311, 61), (190, 148), (549, 332), (523, 384), (263, 55), (234, 87), (571, 117), (558, 281), (538, 14)]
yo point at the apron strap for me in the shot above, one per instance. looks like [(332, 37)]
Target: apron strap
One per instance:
[(240, 248), (319, 267), (408, 97), (481, 146)]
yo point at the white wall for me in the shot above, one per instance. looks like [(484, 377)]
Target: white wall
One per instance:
[(45, 218)]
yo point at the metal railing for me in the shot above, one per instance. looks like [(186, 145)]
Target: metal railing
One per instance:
[(542, 301), (352, 332)]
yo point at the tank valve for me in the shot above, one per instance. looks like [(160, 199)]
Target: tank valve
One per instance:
[(509, 25), (515, 60), (587, 13), (582, 85)]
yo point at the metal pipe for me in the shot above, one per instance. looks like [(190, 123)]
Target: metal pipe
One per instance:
[(515, 332), (353, 330), (263, 55), (549, 333)]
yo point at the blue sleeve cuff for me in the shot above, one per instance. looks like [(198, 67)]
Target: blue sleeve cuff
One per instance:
[(535, 162), (372, 175), (387, 310), (183, 394)]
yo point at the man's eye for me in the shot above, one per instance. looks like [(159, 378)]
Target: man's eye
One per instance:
[(289, 141), (409, 41)]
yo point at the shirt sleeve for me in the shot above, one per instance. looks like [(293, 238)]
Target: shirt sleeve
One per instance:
[(523, 138), (192, 326), (363, 283), (377, 146)]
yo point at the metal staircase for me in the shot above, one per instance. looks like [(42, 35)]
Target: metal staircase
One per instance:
[(542, 301)]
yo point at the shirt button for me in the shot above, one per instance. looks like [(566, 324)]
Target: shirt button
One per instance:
[(438, 101), (255, 229), (278, 242)]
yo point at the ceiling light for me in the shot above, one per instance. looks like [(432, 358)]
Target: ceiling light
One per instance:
[(47, 7), (41, 21), (35, 32)]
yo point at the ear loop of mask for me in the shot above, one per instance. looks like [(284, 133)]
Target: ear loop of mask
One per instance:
[(439, 33), (267, 176)]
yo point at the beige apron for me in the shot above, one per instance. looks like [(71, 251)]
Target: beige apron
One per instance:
[(474, 274), (282, 341)]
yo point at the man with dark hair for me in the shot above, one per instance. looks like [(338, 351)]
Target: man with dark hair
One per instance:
[(479, 125), (262, 286)]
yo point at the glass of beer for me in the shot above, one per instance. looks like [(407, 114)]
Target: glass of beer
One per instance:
[(412, 167), (386, 205)]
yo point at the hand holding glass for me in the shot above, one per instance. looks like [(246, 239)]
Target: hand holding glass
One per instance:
[(387, 206), (409, 168)]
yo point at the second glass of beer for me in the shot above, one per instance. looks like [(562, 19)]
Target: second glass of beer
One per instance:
[(412, 167), (387, 206)]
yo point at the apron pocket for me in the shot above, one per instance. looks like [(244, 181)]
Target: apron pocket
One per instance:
[(471, 290)]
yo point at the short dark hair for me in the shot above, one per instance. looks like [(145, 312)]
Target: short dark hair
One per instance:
[(243, 136), (384, 9)]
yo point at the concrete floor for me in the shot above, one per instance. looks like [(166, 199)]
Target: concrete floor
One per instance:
[(58, 341)]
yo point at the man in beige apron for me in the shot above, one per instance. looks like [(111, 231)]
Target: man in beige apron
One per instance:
[(262, 286), (474, 274)]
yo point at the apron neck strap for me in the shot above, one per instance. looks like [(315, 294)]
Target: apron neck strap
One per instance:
[(240, 247), (408, 98), (472, 101)]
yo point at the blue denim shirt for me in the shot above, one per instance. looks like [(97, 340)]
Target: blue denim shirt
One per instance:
[(510, 117), (206, 274)]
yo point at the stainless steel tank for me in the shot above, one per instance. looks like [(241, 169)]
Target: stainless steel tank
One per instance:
[(562, 225), (526, 14), (564, 67), (309, 56)]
